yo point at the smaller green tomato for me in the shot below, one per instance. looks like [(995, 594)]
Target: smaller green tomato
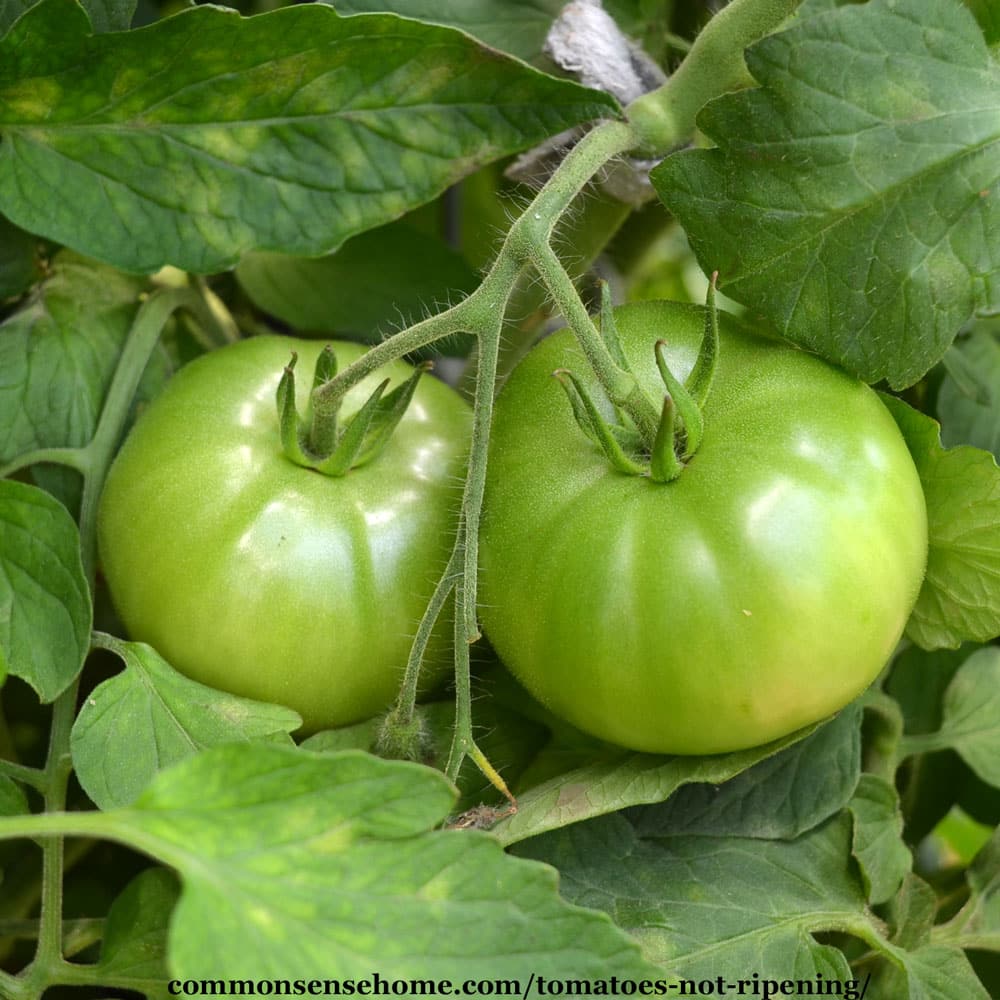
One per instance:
[(256, 576), (757, 593)]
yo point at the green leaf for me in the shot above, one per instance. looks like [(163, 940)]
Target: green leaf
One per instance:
[(150, 716), (964, 420), (852, 198), (134, 949), (912, 913), (704, 908), (206, 135), (19, 265), (45, 610), (297, 864), (376, 282), (105, 15), (58, 355), (515, 26), (878, 838), (931, 973), (960, 597), (597, 779), (781, 797)]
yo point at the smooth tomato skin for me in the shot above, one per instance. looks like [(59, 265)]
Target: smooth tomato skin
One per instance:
[(758, 593), (259, 577)]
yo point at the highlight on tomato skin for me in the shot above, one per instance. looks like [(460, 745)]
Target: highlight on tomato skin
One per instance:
[(758, 592), (258, 576)]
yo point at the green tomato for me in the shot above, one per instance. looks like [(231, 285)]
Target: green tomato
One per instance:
[(266, 579), (759, 592)]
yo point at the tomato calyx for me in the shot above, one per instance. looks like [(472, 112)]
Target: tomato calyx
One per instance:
[(323, 442), (681, 426)]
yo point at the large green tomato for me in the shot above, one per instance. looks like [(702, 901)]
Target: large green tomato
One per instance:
[(266, 579), (757, 593)]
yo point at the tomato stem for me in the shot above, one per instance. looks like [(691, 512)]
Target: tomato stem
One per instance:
[(665, 118)]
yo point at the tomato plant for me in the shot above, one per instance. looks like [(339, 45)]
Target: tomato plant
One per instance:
[(758, 592), (265, 578), (780, 555)]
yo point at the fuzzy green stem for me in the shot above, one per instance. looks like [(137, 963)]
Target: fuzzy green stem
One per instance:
[(463, 743), (532, 230), (407, 699), (58, 767), (665, 117), (72, 458), (475, 481)]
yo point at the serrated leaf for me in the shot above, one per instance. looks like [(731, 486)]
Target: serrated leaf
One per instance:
[(781, 797), (935, 972), (295, 864), (852, 198), (206, 134), (960, 597), (600, 779), (376, 282), (878, 838), (964, 419), (150, 716), (696, 905), (134, 949), (58, 355), (698, 909), (45, 609), (515, 26)]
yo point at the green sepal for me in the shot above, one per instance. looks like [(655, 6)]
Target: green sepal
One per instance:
[(664, 465), (323, 429), (686, 408), (388, 415), (370, 428), (595, 426), (363, 436), (343, 457), (609, 330), (292, 429), (326, 366), (699, 382)]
